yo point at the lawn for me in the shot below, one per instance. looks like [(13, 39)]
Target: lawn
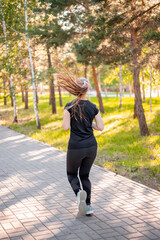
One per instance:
[(120, 147)]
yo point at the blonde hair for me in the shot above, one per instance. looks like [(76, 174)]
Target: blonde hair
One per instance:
[(76, 87)]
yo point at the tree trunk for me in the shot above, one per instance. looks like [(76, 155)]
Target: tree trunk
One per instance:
[(60, 97), (136, 70), (120, 86), (136, 52), (50, 102), (138, 103), (99, 79), (34, 67), (22, 90), (59, 88), (5, 101), (150, 100), (85, 71), (26, 99), (41, 88), (37, 99), (97, 89), (12, 92), (157, 91), (32, 70), (88, 71), (12, 104), (52, 88), (135, 110), (4, 86), (130, 89), (117, 90), (76, 70), (143, 88)]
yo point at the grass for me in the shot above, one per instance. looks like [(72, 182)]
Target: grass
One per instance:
[(120, 146)]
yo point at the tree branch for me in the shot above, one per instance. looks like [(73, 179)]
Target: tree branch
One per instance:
[(83, 5), (15, 30), (142, 13), (23, 60)]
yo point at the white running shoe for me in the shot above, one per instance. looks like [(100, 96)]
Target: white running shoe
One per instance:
[(89, 210), (81, 200)]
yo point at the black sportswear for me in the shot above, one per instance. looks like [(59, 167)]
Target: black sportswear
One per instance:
[(81, 135)]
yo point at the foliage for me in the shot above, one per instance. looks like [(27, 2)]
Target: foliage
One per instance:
[(86, 51)]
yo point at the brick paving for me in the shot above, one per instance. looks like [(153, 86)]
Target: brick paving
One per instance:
[(37, 202)]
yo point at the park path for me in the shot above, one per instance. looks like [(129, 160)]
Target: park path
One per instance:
[(36, 201)]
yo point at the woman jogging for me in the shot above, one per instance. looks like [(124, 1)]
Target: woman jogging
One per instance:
[(82, 146)]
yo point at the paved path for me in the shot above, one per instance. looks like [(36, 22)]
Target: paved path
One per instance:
[(36, 201)]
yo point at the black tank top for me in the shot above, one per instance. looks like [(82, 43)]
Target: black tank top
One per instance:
[(81, 133)]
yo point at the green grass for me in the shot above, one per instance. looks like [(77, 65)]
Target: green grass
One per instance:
[(120, 146)]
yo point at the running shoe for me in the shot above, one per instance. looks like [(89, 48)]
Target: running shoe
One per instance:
[(89, 210), (81, 199)]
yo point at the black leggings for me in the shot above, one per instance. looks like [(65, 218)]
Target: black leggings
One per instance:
[(82, 160)]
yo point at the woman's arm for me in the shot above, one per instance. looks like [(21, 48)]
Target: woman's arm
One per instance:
[(66, 120), (98, 124)]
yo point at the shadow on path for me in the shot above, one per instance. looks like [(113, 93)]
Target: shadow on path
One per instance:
[(36, 201)]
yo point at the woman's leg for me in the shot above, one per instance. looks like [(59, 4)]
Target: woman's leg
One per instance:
[(85, 168), (74, 160)]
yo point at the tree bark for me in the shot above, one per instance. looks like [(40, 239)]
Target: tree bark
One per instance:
[(120, 86), (138, 103), (157, 91), (86, 75), (136, 52), (150, 90), (76, 70), (136, 70), (4, 86), (41, 88), (12, 92), (85, 71), (143, 88), (60, 97), (37, 99), (26, 99), (101, 108), (22, 90), (117, 90), (12, 103), (135, 111), (34, 67), (52, 88), (50, 102), (32, 70), (59, 88), (130, 89)]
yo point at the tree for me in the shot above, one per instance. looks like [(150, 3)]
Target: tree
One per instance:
[(150, 88), (120, 85), (86, 51), (8, 63), (124, 26), (59, 88), (4, 85), (70, 28), (51, 34), (31, 66)]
